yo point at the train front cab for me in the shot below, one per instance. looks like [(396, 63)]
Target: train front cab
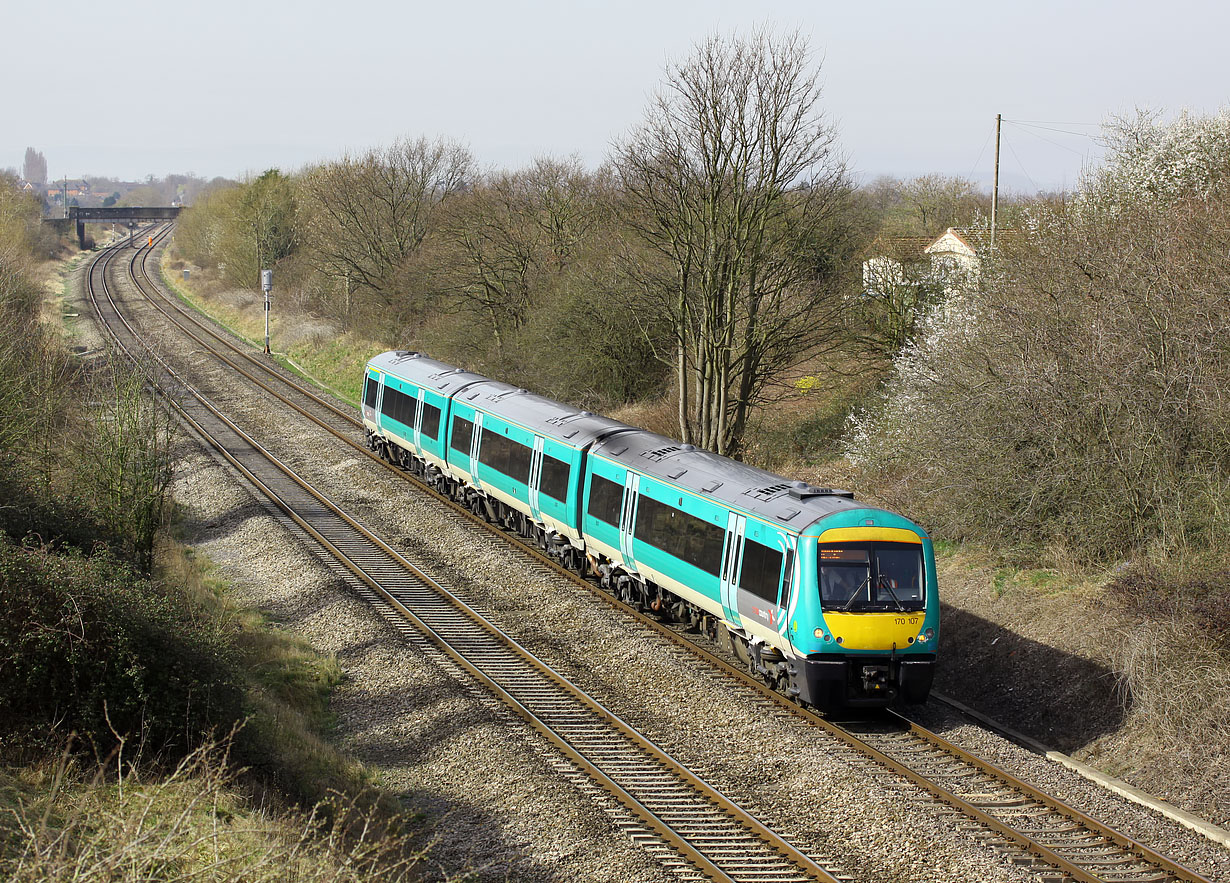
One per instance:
[(868, 596)]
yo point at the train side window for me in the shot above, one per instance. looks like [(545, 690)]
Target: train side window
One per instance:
[(492, 452), (371, 391), (510, 457), (606, 499), (762, 570), (431, 420), (554, 479), (677, 533), (463, 435), (519, 457), (398, 406)]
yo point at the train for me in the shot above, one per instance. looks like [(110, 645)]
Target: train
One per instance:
[(828, 600)]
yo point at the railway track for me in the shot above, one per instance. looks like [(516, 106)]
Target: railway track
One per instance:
[(707, 835), (1029, 827)]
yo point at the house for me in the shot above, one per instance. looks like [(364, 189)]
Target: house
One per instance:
[(949, 262)]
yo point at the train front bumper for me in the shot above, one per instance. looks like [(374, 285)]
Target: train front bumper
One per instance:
[(832, 681)]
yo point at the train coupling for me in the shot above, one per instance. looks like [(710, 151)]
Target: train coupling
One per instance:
[(877, 681)]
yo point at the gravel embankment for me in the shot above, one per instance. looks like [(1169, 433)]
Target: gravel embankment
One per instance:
[(433, 738)]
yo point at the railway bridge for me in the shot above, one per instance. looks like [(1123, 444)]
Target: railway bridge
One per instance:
[(129, 215)]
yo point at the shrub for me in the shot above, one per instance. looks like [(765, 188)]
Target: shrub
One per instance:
[(1077, 401), (87, 645)]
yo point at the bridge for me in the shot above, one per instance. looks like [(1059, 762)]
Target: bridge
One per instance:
[(129, 215)]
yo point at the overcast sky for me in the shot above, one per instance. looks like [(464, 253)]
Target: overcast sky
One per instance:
[(238, 86)]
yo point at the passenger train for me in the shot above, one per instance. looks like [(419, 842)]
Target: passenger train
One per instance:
[(830, 601)]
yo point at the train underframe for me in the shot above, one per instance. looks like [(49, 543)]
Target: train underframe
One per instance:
[(825, 681)]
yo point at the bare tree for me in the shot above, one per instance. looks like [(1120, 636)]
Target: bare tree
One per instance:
[(499, 244), (367, 215), (734, 182)]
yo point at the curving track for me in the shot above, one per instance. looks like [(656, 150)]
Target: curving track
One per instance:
[(710, 836), (1028, 826)]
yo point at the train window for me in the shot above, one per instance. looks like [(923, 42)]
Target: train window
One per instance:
[(371, 389), (431, 420), (554, 479), (463, 434), (399, 406), (762, 570), (871, 576), (501, 452), (519, 458), (491, 450), (606, 498), (677, 533)]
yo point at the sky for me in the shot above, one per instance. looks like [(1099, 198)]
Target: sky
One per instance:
[(234, 87)]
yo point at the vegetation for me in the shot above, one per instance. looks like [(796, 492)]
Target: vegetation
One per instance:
[(1064, 407), (138, 707)]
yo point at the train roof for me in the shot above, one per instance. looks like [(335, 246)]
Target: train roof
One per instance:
[(791, 504), (545, 416), (542, 415), (425, 372)]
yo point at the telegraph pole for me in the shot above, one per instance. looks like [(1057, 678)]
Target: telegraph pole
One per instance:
[(995, 190), (267, 285)]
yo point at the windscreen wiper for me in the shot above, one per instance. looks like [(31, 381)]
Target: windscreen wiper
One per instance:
[(886, 583), (854, 597)]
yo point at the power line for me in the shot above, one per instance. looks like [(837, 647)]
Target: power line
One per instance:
[(1057, 123), (1022, 165), (979, 159), (1048, 140), (1051, 129)]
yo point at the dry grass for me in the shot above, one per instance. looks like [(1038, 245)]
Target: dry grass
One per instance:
[(1176, 738), (67, 823)]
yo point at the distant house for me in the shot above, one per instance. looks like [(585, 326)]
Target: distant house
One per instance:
[(949, 262)]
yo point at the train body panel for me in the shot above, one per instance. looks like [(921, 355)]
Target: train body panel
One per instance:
[(827, 598)]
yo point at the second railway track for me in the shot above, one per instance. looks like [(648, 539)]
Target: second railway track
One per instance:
[(711, 836), (1026, 825)]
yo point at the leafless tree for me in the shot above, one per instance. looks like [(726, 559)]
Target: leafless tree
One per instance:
[(734, 182), (368, 214), (497, 245)]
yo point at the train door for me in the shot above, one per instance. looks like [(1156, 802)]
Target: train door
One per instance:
[(535, 477), (627, 518), (475, 440), (735, 526), (419, 395)]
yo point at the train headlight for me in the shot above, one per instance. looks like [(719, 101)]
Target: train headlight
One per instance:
[(927, 635), (822, 635)]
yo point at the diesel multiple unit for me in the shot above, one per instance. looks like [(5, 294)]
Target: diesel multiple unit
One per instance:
[(829, 600)]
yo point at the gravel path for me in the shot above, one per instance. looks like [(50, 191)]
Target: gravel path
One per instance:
[(435, 738)]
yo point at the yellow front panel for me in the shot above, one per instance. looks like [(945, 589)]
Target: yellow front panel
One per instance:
[(869, 534), (874, 631)]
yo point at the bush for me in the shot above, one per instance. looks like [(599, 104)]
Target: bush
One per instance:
[(1077, 401), (88, 646)]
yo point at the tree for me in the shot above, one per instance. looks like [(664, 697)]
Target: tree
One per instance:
[(499, 244), (926, 205), (368, 215), (268, 215), (34, 169), (734, 184), (1077, 400)]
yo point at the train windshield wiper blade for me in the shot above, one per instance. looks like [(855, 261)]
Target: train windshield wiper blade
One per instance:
[(854, 597), (886, 583)]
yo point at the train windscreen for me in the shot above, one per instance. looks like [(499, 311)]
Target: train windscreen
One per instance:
[(871, 576)]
